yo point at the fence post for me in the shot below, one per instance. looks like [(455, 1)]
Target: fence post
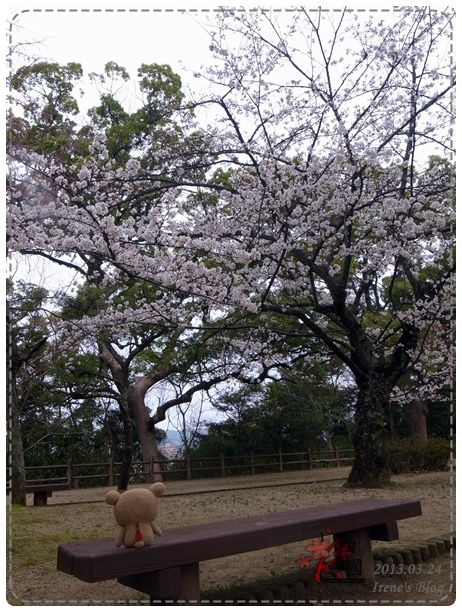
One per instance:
[(111, 472), (252, 463), (337, 457), (308, 457), (69, 472), (188, 467), (222, 465), (151, 472), (280, 460)]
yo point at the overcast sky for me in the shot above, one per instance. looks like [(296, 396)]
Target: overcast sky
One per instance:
[(121, 32), (128, 37)]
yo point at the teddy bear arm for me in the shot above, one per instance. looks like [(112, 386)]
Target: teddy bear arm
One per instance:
[(120, 536)]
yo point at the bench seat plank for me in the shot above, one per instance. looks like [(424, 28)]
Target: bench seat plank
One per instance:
[(39, 488), (97, 560), (43, 491)]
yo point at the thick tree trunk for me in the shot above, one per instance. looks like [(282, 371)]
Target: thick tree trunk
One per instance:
[(18, 471), (370, 465), (16, 450), (146, 431), (131, 401), (124, 476), (419, 413)]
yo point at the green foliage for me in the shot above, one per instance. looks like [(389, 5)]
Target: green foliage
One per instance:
[(49, 106), (293, 415), (53, 79), (125, 131), (162, 88), (61, 401), (409, 456), (88, 301), (398, 423), (442, 417), (48, 102)]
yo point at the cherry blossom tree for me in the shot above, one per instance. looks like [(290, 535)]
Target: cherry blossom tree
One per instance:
[(339, 211), (62, 175), (318, 203)]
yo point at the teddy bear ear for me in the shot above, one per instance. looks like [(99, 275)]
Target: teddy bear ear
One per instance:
[(157, 489), (112, 497)]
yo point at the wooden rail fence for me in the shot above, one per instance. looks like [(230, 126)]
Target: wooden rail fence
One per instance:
[(86, 475)]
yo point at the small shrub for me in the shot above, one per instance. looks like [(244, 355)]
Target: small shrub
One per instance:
[(409, 456)]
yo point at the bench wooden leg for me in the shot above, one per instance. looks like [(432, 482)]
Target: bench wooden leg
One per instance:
[(40, 498), (354, 554), (177, 585), (190, 586)]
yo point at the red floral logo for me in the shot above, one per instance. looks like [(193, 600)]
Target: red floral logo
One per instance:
[(326, 554)]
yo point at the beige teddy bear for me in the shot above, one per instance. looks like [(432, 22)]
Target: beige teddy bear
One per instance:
[(135, 511)]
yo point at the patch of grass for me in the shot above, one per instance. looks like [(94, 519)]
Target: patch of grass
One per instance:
[(434, 481), (21, 515), (34, 553), (36, 533)]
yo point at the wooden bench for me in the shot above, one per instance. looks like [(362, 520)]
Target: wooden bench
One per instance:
[(43, 491), (169, 568)]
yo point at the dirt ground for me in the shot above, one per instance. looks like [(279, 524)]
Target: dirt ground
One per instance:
[(190, 502)]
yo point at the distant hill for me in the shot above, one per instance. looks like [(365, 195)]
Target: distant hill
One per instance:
[(174, 438)]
